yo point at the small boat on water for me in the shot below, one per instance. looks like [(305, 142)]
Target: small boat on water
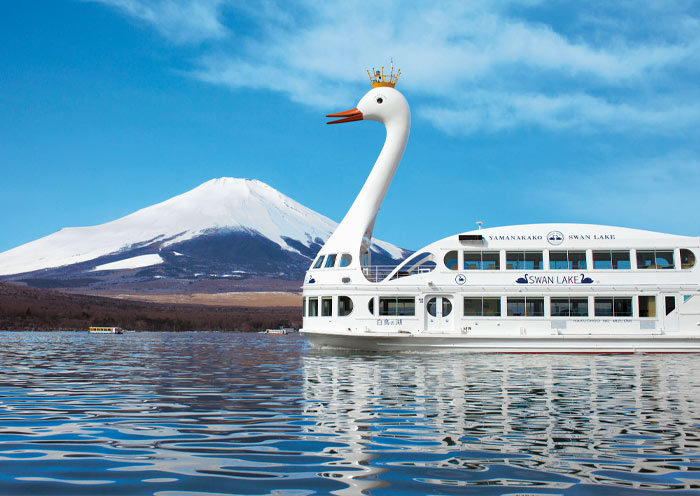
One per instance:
[(106, 330), (281, 330), (556, 288)]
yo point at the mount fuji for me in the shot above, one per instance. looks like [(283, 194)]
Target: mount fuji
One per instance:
[(227, 233)]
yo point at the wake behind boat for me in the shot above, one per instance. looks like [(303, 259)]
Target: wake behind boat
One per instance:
[(530, 288)]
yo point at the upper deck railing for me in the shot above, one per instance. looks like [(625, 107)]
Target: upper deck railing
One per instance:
[(377, 273)]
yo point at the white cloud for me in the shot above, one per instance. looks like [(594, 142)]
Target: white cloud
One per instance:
[(470, 66), (493, 111), (181, 21)]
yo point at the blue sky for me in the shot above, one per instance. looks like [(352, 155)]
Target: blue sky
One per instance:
[(524, 111)]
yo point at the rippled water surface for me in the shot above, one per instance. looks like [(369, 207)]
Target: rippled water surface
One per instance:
[(209, 413)]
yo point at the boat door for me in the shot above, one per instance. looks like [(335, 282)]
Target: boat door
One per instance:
[(670, 320), (438, 313)]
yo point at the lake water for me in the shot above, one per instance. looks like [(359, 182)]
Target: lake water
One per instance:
[(208, 413)]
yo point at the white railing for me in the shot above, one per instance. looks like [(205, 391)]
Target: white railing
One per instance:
[(376, 273)]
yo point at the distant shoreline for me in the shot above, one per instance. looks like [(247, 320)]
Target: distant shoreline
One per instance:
[(32, 309)]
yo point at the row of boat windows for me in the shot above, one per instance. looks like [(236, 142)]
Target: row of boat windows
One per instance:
[(341, 260), (534, 306), (568, 260), (492, 306)]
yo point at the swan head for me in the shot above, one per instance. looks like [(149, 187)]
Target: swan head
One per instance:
[(383, 104)]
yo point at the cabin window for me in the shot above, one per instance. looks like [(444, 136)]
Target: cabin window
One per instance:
[(613, 307), (670, 304), (686, 298), (569, 307), (370, 306), (326, 306), (451, 260), (482, 307), (345, 260), (303, 306), (524, 260), (607, 259), (432, 306), (525, 307), (344, 306), (319, 262), (330, 261), (567, 260), (655, 259), (397, 306), (647, 306), (313, 307), (481, 260), (687, 259)]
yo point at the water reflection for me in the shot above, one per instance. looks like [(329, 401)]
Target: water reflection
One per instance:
[(507, 423), (200, 413)]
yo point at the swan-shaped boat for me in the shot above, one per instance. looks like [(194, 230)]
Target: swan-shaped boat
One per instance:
[(528, 288)]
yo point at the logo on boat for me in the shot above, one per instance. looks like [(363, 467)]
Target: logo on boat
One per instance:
[(554, 280), (555, 238), (460, 279)]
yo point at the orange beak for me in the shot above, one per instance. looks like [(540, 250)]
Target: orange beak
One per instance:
[(347, 116)]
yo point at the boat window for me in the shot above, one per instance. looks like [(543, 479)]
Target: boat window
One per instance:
[(303, 306), (482, 307), (446, 307), (345, 260), (613, 307), (670, 304), (313, 307), (451, 260), (687, 259), (397, 306), (525, 307), (664, 259), (319, 262), (567, 260), (431, 306), (621, 260), (371, 306), (420, 263), (524, 260), (344, 306), (481, 260), (607, 259), (686, 298), (647, 305), (655, 259), (602, 260), (326, 306), (569, 307), (330, 261)]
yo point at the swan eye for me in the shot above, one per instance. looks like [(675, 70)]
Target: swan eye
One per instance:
[(380, 100)]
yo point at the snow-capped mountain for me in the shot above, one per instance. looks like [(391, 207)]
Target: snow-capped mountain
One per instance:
[(225, 227)]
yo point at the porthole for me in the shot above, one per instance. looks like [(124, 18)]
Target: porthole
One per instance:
[(451, 260), (371, 306), (687, 259), (345, 260), (380, 100), (344, 306)]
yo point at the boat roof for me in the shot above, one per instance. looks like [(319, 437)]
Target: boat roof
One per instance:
[(563, 236)]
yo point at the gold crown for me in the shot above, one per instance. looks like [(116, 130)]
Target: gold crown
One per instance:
[(379, 79)]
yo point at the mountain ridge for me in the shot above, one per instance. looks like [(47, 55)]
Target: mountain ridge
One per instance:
[(225, 227)]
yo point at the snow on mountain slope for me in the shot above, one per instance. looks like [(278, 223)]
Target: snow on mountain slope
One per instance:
[(224, 204), (131, 263)]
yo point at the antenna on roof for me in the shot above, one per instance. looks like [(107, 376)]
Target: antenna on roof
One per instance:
[(479, 223)]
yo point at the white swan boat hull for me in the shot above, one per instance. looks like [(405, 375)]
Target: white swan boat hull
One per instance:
[(377, 341)]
